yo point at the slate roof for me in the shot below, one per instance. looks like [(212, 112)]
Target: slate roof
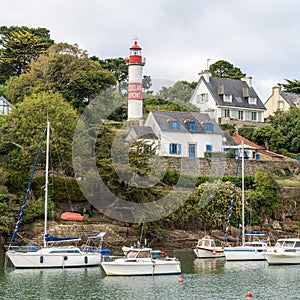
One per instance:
[(144, 132), (290, 98), (235, 88), (163, 119)]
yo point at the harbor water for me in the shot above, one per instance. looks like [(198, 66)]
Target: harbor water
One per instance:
[(200, 279)]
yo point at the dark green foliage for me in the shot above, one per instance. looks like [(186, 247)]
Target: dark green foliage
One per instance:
[(19, 46), (247, 132), (287, 125), (181, 90), (60, 189), (228, 127), (225, 69), (263, 199), (292, 86)]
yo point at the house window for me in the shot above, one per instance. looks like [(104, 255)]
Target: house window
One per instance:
[(174, 148), (252, 100), (280, 104), (208, 147), (201, 98), (209, 127), (192, 126), (238, 98), (227, 113), (254, 116), (240, 115), (175, 125), (227, 98)]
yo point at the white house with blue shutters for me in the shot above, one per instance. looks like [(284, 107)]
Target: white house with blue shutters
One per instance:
[(180, 134)]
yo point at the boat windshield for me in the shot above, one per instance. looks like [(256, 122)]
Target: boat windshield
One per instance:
[(144, 254), (289, 244), (279, 244), (132, 254)]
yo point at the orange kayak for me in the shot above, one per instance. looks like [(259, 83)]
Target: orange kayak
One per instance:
[(71, 216)]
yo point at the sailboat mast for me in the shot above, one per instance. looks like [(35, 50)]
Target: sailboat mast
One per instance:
[(243, 195), (46, 182)]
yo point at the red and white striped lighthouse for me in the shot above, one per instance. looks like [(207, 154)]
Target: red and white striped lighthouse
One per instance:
[(135, 63)]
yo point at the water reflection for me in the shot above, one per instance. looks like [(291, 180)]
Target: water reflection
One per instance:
[(208, 264)]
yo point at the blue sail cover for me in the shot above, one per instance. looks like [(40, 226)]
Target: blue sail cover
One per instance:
[(54, 239), (247, 232)]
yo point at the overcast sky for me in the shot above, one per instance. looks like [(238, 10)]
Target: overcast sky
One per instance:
[(261, 37)]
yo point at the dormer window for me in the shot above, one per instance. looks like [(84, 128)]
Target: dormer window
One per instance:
[(227, 98), (208, 127), (175, 125), (252, 100)]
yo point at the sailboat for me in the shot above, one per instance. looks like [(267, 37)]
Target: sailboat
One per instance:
[(52, 255), (253, 249)]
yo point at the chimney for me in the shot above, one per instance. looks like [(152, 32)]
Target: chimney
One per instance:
[(205, 74), (248, 80), (276, 90)]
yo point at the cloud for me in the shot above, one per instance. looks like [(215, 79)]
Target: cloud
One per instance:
[(177, 37)]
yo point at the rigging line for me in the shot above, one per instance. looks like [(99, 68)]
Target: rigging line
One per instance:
[(231, 202), (28, 189)]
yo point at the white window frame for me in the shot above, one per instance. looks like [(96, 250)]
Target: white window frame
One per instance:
[(227, 98), (252, 100)]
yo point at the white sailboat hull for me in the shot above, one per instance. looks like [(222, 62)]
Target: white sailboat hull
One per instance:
[(244, 253), (141, 267), (54, 257)]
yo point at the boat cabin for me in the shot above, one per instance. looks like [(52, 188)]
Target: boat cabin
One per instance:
[(206, 242)]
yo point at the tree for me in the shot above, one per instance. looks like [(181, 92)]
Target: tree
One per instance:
[(19, 45), (246, 131), (264, 199), (288, 124), (292, 86), (24, 126), (224, 69), (146, 84), (269, 137), (116, 66), (181, 90), (64, 68)]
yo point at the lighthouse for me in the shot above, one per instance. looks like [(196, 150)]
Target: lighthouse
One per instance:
[(135, 63)]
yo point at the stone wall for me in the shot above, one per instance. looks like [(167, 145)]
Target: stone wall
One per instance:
[(227, 166)]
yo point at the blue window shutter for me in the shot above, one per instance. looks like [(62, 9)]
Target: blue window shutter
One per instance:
[(179, 148), (192, 126), (170, 148), (208, 147)]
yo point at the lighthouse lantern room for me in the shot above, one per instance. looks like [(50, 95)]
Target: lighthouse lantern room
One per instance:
[(135, 63)]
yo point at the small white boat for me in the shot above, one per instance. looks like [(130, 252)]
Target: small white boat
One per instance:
[(285, 252), (253, 250), (142, 261), (206, 248)]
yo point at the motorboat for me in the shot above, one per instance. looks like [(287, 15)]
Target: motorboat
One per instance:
[(285, 252), (142, 261), (206, 248)]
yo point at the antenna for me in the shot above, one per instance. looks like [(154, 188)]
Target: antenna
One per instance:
[(208, 60)]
